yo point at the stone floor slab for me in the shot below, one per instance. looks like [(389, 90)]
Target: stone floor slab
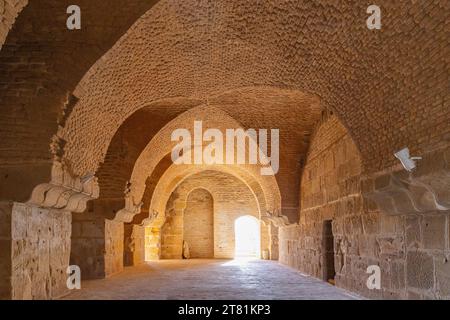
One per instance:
[(209, 279)]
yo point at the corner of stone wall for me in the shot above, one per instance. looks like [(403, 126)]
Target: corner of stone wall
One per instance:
[(134, 245)]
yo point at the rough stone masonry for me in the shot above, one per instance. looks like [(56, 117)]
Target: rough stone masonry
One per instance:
[(86, 118)]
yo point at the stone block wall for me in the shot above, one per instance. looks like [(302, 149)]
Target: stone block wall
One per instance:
[(273, 242), (411, 250), (114, 234), (172, 230), (152, 243), (35, 250), (139, 244), (97, 245), (198, 224)]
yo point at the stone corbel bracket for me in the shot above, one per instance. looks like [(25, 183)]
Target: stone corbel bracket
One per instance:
[(276, 219), (426, 189), (152, 217), (127, 214), (64, 191)]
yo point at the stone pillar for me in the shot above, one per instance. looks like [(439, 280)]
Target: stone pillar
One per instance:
[(97, 245), (134, 245), (35, 236), (172, 238), (139, 244), (273, 231), (265, 238), (152, 243), (172, 230), (34, 251)]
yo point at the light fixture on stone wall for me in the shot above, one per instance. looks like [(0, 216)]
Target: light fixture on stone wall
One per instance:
[(407, 161)]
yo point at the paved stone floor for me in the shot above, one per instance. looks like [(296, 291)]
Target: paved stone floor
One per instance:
[(209, 279)]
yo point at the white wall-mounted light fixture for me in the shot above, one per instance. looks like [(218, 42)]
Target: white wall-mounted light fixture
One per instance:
[(407, 161)]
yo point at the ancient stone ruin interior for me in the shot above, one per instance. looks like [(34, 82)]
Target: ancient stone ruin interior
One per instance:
[(347, 108)]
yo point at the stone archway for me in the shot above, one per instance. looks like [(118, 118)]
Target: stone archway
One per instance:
[(176, 175), (226, 209), (198, 224)]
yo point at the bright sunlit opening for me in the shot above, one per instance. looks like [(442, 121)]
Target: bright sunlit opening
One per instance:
[(247, 238)]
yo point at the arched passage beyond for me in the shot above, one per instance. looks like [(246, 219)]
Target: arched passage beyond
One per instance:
[(198, 224), (231, 199)]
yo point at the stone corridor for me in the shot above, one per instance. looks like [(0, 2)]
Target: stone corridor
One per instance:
[(199, 279), (312, 134)]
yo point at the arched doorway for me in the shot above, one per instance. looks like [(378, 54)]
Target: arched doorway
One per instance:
[(198, 224), (247, 237)]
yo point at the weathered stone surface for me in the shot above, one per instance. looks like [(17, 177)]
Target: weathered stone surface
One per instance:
[(97, 245), (391, 246), (354, 230), (420, 267), (390, 224), (393, 276), (363, 235), (420, 191), (198, 224), (433, 229), (413, 233), (443, 276), (371, 223), (114, 241), (40, 250)]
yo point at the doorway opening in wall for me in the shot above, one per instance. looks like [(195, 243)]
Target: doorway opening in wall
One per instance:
[(329, 271), (247, 238)]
